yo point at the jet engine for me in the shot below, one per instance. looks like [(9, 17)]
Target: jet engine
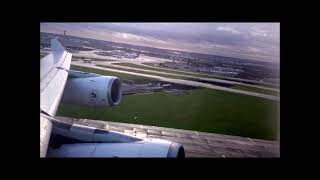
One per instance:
[(97, 91)]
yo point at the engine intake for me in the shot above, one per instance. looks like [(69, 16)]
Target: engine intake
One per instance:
[(115, 92)]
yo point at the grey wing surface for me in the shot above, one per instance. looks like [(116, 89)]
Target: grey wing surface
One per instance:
[(53, 76)]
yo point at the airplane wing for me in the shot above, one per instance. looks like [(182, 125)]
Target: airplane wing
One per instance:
[(53, 77), (58, 139)]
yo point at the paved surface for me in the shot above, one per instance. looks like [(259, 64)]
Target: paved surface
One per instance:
[(185, 82), (110, 64), (197, 73), (148, 59), (144, 59), (196, 144)]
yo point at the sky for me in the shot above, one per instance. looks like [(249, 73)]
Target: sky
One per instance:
[(256, 41)]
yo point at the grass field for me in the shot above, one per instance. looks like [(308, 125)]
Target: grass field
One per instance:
[(201, 110)]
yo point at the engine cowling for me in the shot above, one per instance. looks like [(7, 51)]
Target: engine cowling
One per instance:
[(93, 91)]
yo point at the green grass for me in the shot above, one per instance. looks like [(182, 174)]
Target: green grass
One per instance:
[(201, 110), (136, 79)]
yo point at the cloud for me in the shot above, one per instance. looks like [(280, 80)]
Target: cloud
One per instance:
[(228, 29), (256, 31), (257, 41)]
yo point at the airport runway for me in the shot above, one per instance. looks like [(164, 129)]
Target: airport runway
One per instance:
[(181, 81), (146, 59), (197, 73), (139, 61), (196, 144), (110, 63)]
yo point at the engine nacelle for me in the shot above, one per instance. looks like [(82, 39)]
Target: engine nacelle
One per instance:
[(93, 91)]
